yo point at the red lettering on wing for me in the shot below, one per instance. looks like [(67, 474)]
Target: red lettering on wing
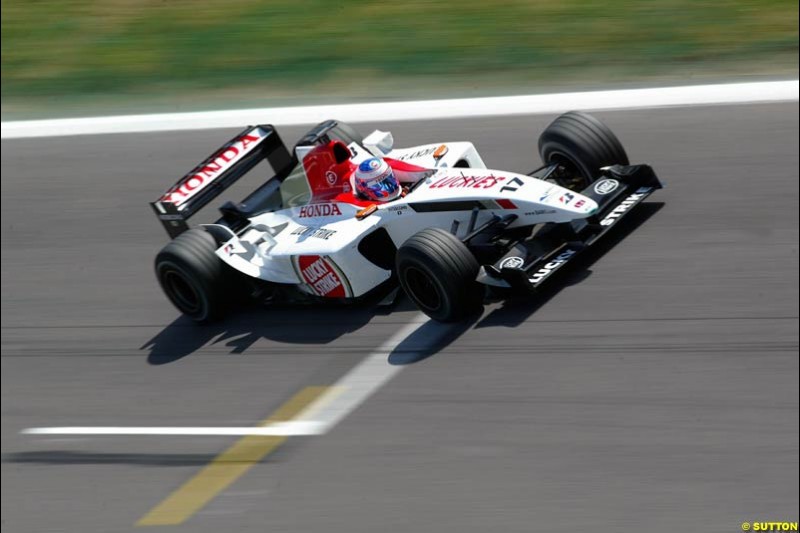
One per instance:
[(228, 158), (248, 139), (211, 170)]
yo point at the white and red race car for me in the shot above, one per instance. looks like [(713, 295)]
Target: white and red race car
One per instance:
[(304, 235)]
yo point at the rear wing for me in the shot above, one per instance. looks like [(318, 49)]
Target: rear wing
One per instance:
[(219, 171)]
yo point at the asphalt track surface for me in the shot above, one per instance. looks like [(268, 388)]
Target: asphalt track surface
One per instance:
[(656, 389)]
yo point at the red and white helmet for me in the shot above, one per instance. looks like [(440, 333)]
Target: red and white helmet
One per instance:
[(374, 180)]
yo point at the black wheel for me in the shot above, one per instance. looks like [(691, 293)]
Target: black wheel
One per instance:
[(583, 144), (438, 272), (194, 279)]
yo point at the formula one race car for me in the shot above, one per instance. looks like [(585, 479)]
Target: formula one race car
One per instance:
[(305, 235)]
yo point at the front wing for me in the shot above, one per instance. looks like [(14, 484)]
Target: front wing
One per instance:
[(530, 263)]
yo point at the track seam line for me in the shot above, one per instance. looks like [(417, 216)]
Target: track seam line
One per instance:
[(544, 321)]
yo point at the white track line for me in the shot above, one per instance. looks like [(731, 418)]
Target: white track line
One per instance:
[(732, 93), (319, 417), (361, 382)]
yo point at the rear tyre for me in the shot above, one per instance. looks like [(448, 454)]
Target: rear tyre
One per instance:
[(437, 271), (583, 144), (194, 279)]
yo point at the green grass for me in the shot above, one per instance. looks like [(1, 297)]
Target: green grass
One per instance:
[(95, 52)]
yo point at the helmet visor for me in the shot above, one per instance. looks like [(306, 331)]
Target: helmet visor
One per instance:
[(382, 188)]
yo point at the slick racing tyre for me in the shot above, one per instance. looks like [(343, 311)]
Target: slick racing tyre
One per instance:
[(194, 279), (582, 143), (437, 271)]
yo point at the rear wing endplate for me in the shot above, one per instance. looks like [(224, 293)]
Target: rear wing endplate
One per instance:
[(219, 171)]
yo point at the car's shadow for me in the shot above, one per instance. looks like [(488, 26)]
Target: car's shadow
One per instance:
[(285, 324), (319, 326), (427, 340)]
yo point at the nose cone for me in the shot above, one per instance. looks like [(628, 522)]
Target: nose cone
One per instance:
[(587, 205), (573, 202)]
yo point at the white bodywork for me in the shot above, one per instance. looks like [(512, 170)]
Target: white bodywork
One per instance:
[(316, 246)]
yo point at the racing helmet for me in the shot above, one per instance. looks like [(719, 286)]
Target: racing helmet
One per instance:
[(374, 180)]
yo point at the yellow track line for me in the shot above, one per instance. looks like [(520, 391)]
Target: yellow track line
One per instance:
[(226, 467)]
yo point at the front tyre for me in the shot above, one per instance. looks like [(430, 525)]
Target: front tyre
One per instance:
[(194, 279), (583, 144), (437, 271)]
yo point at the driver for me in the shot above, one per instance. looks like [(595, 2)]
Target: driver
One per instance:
[(375, 181)]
